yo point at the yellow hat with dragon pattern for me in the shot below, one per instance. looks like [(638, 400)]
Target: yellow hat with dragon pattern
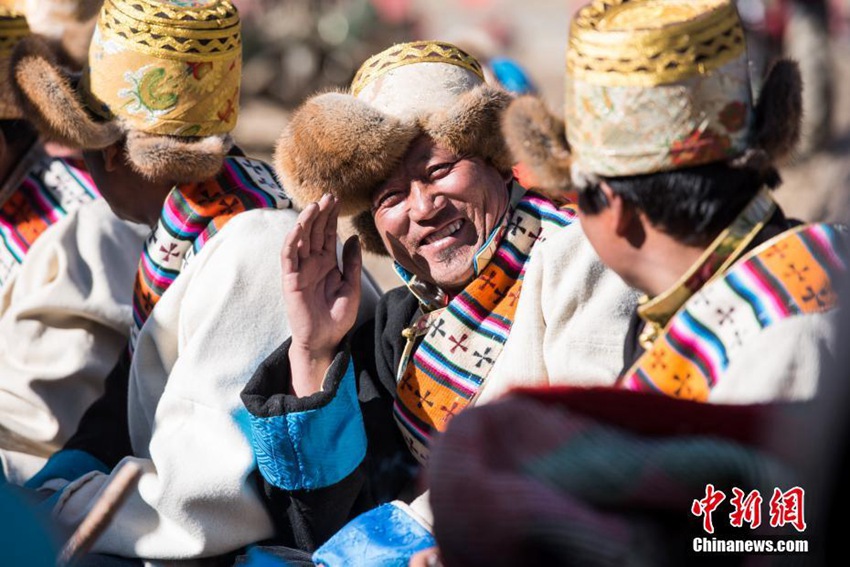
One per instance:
[(165, 74)]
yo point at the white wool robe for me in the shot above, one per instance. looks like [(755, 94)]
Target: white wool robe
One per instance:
[(189, 430), (570, 324), (64, 320), (786, 362)]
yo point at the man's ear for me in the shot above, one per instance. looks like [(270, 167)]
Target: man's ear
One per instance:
[(625, 220), (615, 210), (113, 157)]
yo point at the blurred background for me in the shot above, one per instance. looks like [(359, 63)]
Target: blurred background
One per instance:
[(294, 48)]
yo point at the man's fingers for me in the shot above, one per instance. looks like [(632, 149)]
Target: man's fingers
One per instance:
[(331, 227), (289, 251), (352, 263), (317, 235), (306, 220)]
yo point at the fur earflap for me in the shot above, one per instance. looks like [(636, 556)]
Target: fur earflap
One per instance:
[(337, 144), (537, 139), (181, 160), (471, 126), (779, 111), (50, 101), (370, 238)]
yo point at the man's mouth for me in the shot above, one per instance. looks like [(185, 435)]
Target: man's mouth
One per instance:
[(445, 232)]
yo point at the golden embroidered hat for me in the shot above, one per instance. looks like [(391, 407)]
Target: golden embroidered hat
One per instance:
[(13, 28), (348, 143), (656, 85), (164, 73)]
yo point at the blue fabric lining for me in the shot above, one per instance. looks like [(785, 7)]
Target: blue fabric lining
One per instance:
[(385, 536), (312, 449), (68, 464)]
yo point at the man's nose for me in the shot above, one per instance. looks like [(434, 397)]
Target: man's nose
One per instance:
[(425, 201)]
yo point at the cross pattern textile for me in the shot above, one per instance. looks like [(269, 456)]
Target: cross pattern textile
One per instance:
[(790, 275), (192, 214), (51, 190)]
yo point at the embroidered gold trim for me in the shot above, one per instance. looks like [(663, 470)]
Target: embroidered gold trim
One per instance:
[(190, 35), (624, 43), (409, 54), (172, 43), (217, 14)]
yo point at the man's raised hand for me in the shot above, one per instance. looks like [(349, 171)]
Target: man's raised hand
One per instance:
[(321, 300)]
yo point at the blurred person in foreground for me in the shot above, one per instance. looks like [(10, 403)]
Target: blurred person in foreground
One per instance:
[(413, 150), (66, 270), (153, 113), (740, 312)]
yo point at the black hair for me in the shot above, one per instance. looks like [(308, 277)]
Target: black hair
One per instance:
[(692, 204), (19, 134)]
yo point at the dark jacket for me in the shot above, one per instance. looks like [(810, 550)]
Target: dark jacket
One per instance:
[(307, 510)]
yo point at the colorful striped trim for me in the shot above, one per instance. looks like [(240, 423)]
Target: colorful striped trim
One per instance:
[(51, 190), (463, 340), (790, 275), (191, 215)]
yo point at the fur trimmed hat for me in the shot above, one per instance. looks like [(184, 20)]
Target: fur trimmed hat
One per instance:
[(656, 86), (161, 74), (348, 143)]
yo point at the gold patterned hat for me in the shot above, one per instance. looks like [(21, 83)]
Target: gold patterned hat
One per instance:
[(348, 143), (657, 85), (165, 74), (13, 28)]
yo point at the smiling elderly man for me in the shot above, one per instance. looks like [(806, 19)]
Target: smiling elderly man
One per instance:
[(414, 152)]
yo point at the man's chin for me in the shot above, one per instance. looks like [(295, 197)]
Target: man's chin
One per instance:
[(455, 280)]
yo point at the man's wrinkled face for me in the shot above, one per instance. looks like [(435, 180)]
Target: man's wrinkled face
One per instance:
[(437, 209)]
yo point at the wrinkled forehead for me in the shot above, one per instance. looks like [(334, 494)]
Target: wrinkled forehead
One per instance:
[(418, 90)]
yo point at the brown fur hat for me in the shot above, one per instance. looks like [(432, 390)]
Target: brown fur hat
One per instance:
[(52, 101), (338, 144), (537, 138), (348, 144)]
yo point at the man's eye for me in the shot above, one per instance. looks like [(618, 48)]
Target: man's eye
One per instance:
[(440, 170), (388, 199)]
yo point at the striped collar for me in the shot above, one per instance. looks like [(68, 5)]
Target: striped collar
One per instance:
[(729, 245)]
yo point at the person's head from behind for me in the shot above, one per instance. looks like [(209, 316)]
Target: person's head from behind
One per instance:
[(659, 143), (146, 116), (690, 205), (414, 152)]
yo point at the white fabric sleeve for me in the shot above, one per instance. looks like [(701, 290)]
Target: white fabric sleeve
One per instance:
[(784, 362), (571, 320), (199, 495), (64, 320)]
